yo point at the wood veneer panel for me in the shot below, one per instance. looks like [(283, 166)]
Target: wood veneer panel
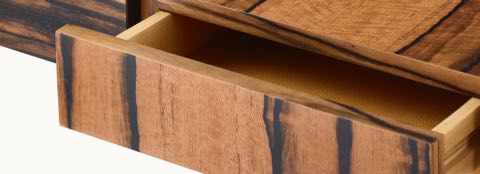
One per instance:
[(251, 23), (383, 25), (454, 43), (217, 121), (29, 25)]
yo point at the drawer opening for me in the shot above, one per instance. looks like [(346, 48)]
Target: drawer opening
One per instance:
[(377, 93), (369, 90)]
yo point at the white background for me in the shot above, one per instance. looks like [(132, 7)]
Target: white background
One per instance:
[(31, 140)]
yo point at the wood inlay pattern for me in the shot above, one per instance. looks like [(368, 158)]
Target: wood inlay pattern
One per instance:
[(217, 121), (29, 25), (383, 25), (454, 43)]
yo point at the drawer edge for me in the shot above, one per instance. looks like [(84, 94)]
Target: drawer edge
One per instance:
[(458, 126)]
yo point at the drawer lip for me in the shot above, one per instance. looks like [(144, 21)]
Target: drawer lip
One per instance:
[(221, 76), (383, 61)]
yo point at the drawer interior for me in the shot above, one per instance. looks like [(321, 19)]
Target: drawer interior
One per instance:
[(374, 92), (371, 91)]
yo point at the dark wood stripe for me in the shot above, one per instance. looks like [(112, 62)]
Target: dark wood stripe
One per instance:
[(268, 126), (412, 144), (275, 133), (87, 12), (116, 5), (47, 21), (386, 124), (355, 55), (419, 38), (134, 12), (427, 158), (19, 43), (278, 138), (260, 2), (32, 40), (473, 64), (66, 43), (130, 70), (344, 142)]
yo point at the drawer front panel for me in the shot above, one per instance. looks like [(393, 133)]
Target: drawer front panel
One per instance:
[(165, 107), (29, 26)]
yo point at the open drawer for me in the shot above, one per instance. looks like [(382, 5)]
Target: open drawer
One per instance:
[(218, 101)]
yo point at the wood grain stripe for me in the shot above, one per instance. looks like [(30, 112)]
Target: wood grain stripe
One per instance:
[(90, 13), (426, 154), (473, 63), (67, 50), (115, 4), (454, 43), (419, 38), (268, 125), (275, 133), (412, 144), (386, 124), (344, 141), (278, 138), (260, 2), (130, 92)]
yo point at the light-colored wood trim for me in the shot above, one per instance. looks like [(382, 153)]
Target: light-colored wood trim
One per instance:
[(465, 160), (172, 33), (460, 124), (143, 26)]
